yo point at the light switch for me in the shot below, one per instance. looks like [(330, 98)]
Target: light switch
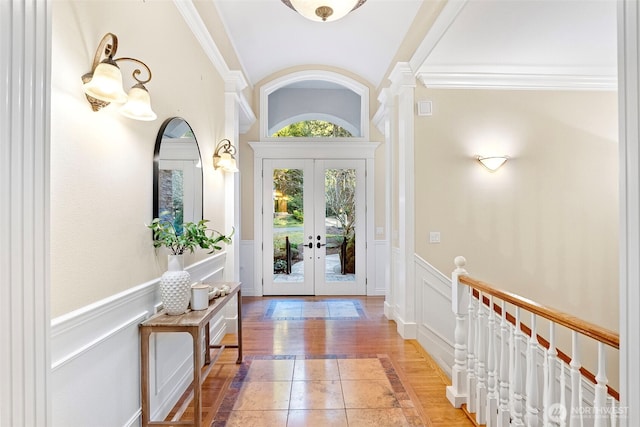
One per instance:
[(379, 231), (434, 237)]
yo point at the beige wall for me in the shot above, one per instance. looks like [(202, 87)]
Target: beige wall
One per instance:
[(545, 225), (101, 163)]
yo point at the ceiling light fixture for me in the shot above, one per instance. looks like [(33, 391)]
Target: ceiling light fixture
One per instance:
[(103, 84), (223, 157), (492, 163), (324, 10)]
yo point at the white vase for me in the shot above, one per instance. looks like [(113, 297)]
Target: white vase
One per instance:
[(175, 286)]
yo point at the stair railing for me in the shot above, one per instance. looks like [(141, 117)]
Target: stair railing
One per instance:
[(499, 361)]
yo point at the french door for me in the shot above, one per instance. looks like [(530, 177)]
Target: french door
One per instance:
[(314, 227)]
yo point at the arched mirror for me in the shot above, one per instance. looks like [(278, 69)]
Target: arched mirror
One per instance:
[(177, 174)]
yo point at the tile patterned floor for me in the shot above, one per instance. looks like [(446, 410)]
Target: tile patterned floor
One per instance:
[(326, 390), (298, 309)]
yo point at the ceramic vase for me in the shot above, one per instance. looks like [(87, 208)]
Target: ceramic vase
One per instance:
[(175, 286)]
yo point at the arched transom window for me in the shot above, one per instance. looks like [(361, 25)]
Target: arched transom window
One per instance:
[(315, 104)]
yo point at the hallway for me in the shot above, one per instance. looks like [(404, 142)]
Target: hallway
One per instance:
[(313, 361)]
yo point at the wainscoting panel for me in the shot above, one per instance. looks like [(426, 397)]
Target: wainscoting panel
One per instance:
[(435, 318), (378, 284), (96, 356), (247, 270)]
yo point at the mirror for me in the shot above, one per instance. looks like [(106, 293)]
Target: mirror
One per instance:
[(177, 174)]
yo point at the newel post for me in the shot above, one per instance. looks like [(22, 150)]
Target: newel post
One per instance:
[(457, 391)]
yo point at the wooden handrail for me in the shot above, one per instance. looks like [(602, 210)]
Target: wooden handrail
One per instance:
[(592, 330)]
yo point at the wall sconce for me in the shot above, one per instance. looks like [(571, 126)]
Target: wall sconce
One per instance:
[(103, 84), (223, 157), (492, 163)]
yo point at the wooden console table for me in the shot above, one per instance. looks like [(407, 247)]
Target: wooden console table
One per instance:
[(192, 322)]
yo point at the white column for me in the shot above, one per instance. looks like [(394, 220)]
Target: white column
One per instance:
[(383, 121), (629, 116), (25, 75), (234, 83), (403, 85)]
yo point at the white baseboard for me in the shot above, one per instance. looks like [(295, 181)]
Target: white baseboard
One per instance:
[(407, 330), (82, 376)]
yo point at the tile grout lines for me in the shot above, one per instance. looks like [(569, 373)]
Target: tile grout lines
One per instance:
[(400, 394)]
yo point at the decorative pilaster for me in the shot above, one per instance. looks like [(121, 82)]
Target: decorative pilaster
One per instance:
[(25, 82), (629, 146), (403, 85)]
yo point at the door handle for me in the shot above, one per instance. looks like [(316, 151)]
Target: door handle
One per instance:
[(310, 245), (319, 245)]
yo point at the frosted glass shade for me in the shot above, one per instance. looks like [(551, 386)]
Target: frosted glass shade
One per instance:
[(138, 106), (492, 163), (106, 83), (227, 163), (307, 8)]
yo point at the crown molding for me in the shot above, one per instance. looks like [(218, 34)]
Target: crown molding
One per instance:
[(524, 78)]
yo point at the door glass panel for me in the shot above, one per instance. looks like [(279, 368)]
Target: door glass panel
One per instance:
[(340, 222), (288, 225)]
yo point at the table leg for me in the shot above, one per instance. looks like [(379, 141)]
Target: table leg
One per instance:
[(197, 361), (239, 296), (144, 375), (207, 340)]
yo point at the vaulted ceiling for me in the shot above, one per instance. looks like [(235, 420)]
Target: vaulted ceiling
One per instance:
[(470, 42)]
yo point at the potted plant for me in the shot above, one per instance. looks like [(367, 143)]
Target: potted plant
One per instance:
[(175, 283)]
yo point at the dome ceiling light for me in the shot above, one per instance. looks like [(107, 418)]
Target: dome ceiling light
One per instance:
[(324, 10)]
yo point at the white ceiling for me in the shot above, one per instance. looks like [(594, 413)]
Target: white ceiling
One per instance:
[(545, 37), (269, 37)]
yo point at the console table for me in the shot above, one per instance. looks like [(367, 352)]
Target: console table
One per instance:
[(192, 322)]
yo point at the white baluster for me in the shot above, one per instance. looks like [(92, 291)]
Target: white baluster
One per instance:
[(457, 391), (563, 394), (471, 356), (518, 405), (481, 356), (600, 401), (614, 413), (504, 415), (532, 376), (492, 389), (575, 413), (550, 363)]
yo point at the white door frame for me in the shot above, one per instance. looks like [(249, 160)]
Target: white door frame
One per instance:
[(315, 150)]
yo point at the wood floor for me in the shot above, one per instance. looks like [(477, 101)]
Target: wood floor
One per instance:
[(376, 335)]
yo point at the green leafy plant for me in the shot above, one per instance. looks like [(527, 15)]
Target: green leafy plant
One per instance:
[(194, 235)]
